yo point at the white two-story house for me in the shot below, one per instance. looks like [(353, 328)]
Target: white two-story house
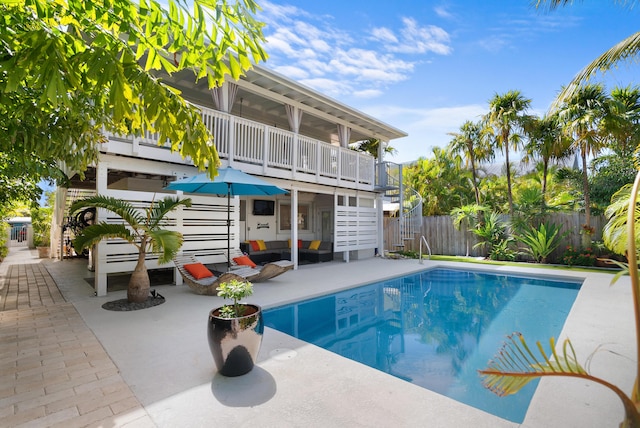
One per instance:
[(266, 125)]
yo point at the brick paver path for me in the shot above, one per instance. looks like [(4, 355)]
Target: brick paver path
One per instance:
[(28, 286), (53, 370)]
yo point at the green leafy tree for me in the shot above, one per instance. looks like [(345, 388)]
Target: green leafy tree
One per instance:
[(144, 230), (441, 181), (506, 119), (70, 69), (608, 174), (372, 145)]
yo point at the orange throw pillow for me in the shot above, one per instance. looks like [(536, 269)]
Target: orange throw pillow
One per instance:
[(198, 270), (254, 245), (244, 261)]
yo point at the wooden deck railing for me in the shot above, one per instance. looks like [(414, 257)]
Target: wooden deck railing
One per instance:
[(277, 152)]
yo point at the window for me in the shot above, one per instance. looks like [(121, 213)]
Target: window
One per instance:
[(304, 217)]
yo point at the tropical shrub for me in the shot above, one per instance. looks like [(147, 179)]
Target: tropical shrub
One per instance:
[(502, 251), (579, 256), (41, 218), (541, 241), (490, 231), (234, 290), (4, 233)]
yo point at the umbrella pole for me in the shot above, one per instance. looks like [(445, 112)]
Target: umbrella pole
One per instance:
[(228, 226)]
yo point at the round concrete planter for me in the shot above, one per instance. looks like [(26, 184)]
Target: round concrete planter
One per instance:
[(235, 342)]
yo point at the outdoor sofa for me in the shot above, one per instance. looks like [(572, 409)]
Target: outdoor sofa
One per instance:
[(268, 251)]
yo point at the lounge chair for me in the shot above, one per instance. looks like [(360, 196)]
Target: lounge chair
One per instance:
[(207, 285), (263, 273), (255, 273)]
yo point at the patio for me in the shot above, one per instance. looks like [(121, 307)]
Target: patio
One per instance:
[(162, 356)]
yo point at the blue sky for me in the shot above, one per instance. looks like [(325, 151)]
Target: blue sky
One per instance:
[(427, 66)]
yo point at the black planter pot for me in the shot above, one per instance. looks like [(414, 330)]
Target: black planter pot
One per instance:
[(235, 342)]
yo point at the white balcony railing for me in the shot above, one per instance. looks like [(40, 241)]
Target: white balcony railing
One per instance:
[(274, 152)]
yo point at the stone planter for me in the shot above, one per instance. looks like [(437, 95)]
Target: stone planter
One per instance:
[(235, 342), (43, 252)]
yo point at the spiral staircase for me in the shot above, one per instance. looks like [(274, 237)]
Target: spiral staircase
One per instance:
[(405, 226)]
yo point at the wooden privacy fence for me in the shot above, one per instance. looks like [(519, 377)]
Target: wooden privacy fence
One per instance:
[(444, 239)]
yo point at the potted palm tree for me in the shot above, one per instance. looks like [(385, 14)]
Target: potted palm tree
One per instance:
[(235, 331), (142, 229)]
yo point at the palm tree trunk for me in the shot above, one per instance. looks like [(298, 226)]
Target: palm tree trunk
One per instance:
[(585, 188), (505, 141), (138, 290), (545, 169), (475, 182)]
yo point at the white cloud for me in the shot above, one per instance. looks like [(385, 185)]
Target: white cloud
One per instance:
[(427, 128), (314, 48), (442, 12), (292, 72), (368, 93), (384, 35)]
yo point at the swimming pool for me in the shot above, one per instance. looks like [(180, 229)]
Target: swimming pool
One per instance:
[(435, 328)]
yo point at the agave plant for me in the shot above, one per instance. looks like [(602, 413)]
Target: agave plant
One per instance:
[(515, 364), (143, 230), (541, 241)]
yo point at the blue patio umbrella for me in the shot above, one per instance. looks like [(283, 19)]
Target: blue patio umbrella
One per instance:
[(230, 182)]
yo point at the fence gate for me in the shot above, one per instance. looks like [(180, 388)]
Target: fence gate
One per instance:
[(18, 236)]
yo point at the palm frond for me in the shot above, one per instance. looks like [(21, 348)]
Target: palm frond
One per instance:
[(118, 206), (93, 234), (515, 365), (166, 243), (614, 234), (626, 50), (160, 208)]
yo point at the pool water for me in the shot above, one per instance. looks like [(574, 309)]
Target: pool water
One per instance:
[(435, 329)]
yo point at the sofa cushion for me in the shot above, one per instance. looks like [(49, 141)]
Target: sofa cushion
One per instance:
[(325, 246), (254, 245), (261, 245), (314, 245), (277, 245)]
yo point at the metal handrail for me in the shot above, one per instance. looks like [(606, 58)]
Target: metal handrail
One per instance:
[(423, 239)]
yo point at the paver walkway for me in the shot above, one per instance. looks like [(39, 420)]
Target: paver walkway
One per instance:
[(53, 370)]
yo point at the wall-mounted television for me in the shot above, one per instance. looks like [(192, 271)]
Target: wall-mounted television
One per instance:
[(263, 207)]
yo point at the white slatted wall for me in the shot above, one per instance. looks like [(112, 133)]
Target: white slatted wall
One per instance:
[(356, 228), (203, 225)]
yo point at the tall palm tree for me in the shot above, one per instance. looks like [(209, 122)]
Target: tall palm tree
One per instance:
[(142, 229), (547, 143), (624, 123), (584, 116), (506, 118), (470, 142)]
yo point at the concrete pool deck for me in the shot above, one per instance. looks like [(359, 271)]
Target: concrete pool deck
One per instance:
[(162, 357)]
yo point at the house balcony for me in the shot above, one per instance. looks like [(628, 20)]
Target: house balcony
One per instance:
[(263, 150)]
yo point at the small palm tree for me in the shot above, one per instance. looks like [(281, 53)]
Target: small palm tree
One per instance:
[(142, 229)]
